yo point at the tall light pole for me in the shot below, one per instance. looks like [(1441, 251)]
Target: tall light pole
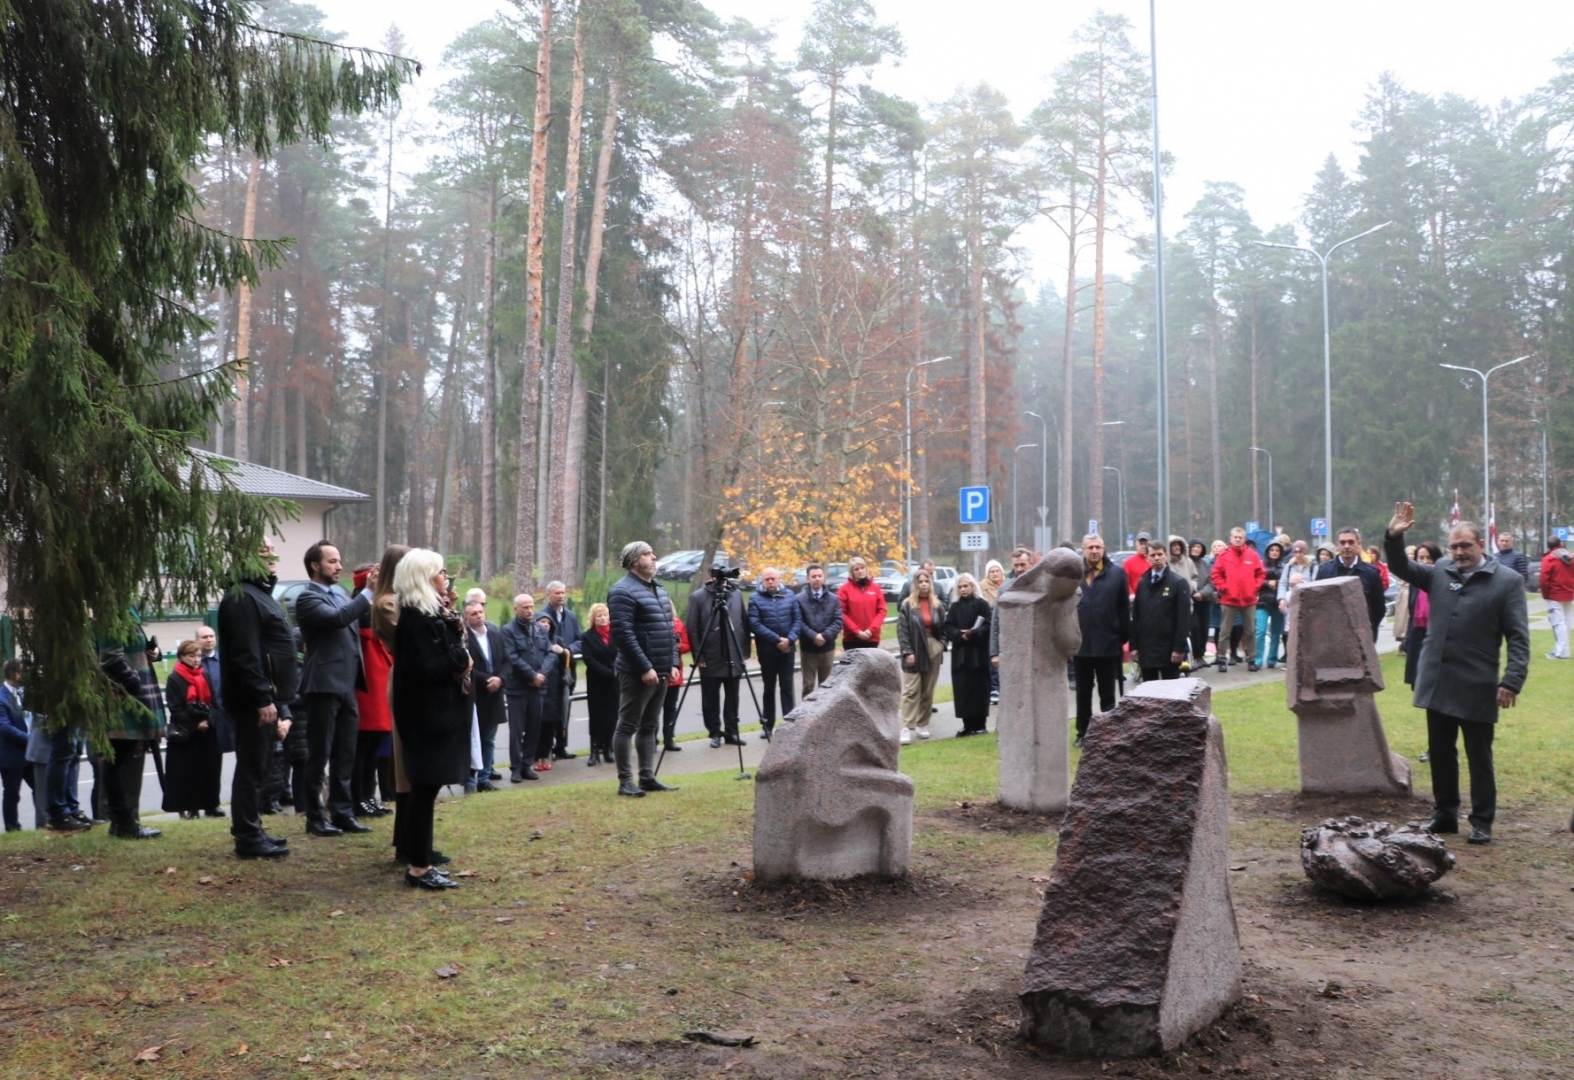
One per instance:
[(907, 456), (1162, 383), (1271, 523), (1546, 525), (1043, 476), (1020, 447), (1486, 446), (1120, 488), (1328, 380)]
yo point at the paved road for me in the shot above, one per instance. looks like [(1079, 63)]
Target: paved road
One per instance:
[(696, 756)]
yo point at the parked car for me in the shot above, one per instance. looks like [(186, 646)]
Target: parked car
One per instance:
[(675, 557), (891, 582), (686, 568), (285, 593), (835, 575), (945, 583)]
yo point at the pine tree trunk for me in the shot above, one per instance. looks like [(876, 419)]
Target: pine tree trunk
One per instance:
[(1213, 416), (830, 159), (381, 533), (243, 323), (978, 447), (530, 388), (562, 514), (300, 431), (1069, 378), (450, 406), (1256, 509), (488, 500), (1096, 465)]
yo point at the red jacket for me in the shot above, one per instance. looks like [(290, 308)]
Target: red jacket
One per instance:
[(1557, 575), (1237, 574), (683, 647), (1135, 567), (862, 609)]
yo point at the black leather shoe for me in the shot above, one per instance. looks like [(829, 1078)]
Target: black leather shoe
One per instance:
[(432, 879), (1478, 835), (673, 748), (650, 783), (322, 828), (765, 733), (486, 785), (564, 755), (68, 825), (260, 850), (217, 811), (1077, 742), (277, 841), (1253, 667), (494, 776), (715, 741), (135, 832), (631, 789), (350, 825), (736, 740), (270, 808), (1441, 824), (439, 859)]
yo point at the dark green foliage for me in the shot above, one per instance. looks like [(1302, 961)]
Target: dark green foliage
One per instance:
[(106, 107)]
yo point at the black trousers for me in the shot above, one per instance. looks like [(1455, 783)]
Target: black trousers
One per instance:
[(1157, 674), (524, 730), (418, 813), (11, 781), (639, 714), (123, 782), (1106, 669), (775, 674), (1201, 613), (1442, 734), (254, 750), (716, 713), (331, 723), (364, 782), (554, 720), (669, 713)]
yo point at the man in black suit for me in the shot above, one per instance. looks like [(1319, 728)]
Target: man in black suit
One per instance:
[(524, 652), (1161, 614), (486, 685), (1348, 563), (332, 673), (565, 631)]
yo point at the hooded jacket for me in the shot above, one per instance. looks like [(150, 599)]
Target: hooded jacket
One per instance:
[(1237, 575)]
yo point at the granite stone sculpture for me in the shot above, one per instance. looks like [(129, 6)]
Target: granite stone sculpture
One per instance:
[(1038, 634), (1332, 674), (1372, 860), (1137, 947), (829, 801)]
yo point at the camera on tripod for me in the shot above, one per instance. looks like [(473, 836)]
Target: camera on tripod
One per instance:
[(725, 578)]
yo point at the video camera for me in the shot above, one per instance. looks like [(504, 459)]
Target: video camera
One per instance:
[(725, 578)]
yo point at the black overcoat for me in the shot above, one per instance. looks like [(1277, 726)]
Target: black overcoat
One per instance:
[(1161, 618), (430, 707), (969, 656)]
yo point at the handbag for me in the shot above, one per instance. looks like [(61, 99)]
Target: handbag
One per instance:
[(177, 734)]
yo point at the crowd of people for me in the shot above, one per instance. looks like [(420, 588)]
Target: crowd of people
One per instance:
[(371, 703)]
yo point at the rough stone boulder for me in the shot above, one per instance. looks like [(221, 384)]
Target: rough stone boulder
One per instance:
[(1372, 860), (1332, 674), (1137, 947), (829, 802), (1038, 634)]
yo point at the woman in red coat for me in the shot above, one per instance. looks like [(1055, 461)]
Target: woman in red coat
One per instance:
[(669, 715), (373, 765)]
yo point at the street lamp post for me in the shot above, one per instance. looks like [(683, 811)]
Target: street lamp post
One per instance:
[(1486, 446), (1120, 489), (907, 456), (1162, 387), (1271, 523), (1328, 382), (1043, 476), (1020, 447)]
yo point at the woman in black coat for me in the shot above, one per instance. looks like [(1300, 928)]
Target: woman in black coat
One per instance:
[(601, 682), (431, 703), (191, 782), (969, 655)]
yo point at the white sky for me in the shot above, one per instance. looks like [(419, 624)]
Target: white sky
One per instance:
[(1257, 92)]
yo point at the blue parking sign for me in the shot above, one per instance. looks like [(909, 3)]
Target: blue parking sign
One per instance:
[(974, 505), (1562, 532)]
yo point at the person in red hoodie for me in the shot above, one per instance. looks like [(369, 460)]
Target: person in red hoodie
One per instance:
[(1238, 573), (863, 607), (1136, 565), (1557, 589)]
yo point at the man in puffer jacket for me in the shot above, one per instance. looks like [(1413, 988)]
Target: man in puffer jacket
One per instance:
[(775, 622), (647, 660), (1237, 575)]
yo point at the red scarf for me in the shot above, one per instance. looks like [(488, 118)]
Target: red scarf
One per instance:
[(605, 632), (196, 683)]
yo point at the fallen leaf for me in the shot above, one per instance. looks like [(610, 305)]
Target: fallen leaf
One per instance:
[(447, 971), (305, 1059), (505, 919), (204, 880), (1038, 879), (1238, 868), (204, 963), (335, 914), (279, 961), (170, 870), (240, 1051), (465, 873), (149, 1053)]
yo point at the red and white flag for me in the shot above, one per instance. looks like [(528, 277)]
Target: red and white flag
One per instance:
[(1492, 524), (1453, 515)]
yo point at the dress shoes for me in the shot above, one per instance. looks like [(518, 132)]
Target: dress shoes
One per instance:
[(439, 859), (432, 879), (217, 811), (528, 774), (260, 849), (1441, 824), (68, 824), (765, 733), (715, 742), (494, 776), (322, 828), (270, 808), (278, 841), (134, 832), (631, 789), (350, 825), (486, 785), (673, 748), (736, 740), (564, 755), (1479, 835), (650, 783)]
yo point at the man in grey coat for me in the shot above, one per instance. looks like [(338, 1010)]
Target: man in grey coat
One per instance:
[(1477, 604)]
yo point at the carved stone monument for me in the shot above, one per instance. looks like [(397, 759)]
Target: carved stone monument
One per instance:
[(1372, 860), (829, 802), (1038, 634), (1332, 674), (1137, 947)]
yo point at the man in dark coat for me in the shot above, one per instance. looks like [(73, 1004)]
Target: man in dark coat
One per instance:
[(565, 631), (524, 657), (1104, 614), (820, 623), (641, 617), (1476, 605), (776, 623), (721, 645), (1161, 616), (486, 685), (260, 680), (1348, 563)]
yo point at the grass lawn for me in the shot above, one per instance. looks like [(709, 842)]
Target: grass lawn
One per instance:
[(591, 931)]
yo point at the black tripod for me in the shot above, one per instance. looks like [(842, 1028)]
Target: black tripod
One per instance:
[(721, 589)]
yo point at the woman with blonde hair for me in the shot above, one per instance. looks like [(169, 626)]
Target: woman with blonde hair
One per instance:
[(920, 635), (601, 681), (431, 703), (967, 626)]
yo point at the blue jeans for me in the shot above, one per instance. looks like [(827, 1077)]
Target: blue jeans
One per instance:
[(60, 779), (1271, 624)]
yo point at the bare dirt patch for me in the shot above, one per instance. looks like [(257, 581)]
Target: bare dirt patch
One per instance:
[(873, 899), (995, 818)]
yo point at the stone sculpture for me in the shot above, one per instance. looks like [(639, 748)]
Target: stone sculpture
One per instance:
[(1333, 673), (1137, 947), (1372, 860), (829, 801), (1038, 634)]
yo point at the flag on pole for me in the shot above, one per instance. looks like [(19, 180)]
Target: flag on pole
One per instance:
[(1453, 517), (1492, 524)]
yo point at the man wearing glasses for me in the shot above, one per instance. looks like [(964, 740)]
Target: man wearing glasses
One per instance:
[(1477, 604)]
